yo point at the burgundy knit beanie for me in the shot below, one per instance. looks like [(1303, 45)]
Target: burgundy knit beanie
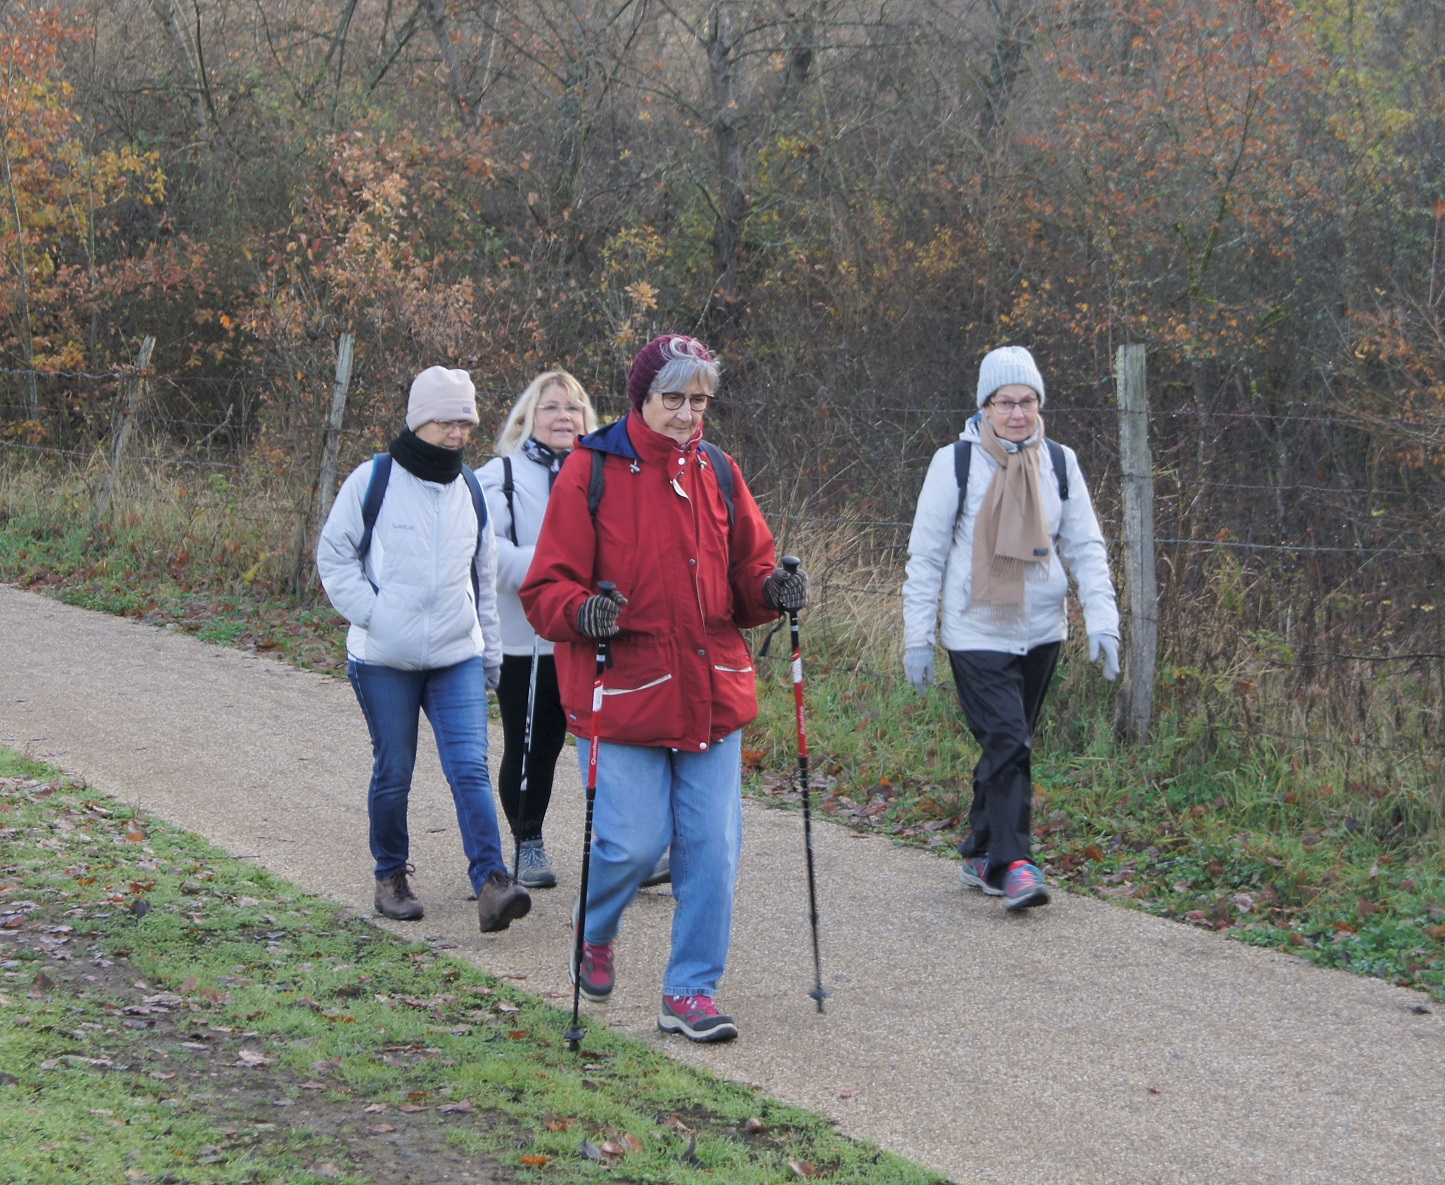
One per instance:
[(654, 356)]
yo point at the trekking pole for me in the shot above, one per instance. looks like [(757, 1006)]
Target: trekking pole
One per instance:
[(574, 1031), (790, 564), (526, 761)]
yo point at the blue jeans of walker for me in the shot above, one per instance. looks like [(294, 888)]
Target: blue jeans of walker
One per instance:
[(455, 701), (650, 798)]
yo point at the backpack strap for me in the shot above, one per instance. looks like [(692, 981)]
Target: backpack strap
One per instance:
[(479, 504), (598, 482), (723, 469), (371, 503), (963, 457), (962, 461), (716, 460), (1061, 467), (507, 488)]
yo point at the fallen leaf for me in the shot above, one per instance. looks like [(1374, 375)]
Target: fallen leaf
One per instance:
[(381, 1129), (848, 1092), (802, 1168), (590, 1151), (252, 1057), (536, 1161), (753, 1126), (374, 1108), (462, 1108)]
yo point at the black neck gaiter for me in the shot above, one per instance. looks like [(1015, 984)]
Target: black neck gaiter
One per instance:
[(430, 462)]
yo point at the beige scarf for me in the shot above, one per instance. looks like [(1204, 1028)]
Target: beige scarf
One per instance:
[(1010, 539)]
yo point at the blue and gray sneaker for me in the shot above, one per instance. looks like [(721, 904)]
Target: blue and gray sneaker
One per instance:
[(974, 874)]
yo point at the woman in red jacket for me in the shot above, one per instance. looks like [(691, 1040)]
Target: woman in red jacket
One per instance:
[(691, 571)]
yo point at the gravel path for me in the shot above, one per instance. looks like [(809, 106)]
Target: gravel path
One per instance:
[(1082, 1043)]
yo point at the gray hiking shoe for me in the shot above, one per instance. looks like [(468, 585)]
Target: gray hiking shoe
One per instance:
[(394, 898), (501, 902), (661, 873), (534, 869)]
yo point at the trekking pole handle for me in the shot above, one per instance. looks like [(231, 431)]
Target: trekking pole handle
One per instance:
[(791, 564), (606, 587)]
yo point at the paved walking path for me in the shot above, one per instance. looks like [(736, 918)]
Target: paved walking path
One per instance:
[(1076, 1044)]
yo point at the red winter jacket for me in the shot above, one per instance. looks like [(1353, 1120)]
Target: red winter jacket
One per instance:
[(682, 675)]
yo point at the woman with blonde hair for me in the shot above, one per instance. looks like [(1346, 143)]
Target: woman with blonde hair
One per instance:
[(536, 437)]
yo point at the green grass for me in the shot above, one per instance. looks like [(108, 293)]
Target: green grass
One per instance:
[(170, 1014)]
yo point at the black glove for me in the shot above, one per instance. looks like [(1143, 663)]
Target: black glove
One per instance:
[(597, 615), (786, 590)]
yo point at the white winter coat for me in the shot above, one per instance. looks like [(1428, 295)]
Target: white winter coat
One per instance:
[(940, 560), (530, 489), (410, 603)]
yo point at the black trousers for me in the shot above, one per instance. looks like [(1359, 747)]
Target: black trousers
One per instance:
[(1002, 696), (549, 731)]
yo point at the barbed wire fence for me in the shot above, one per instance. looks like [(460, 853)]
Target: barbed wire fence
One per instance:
[(193, 440)]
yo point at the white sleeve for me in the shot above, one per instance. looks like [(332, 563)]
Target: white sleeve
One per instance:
[(341, 568), (1082, 548), (928, 548)]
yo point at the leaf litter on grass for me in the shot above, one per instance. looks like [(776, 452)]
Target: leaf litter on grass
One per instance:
[(239, 1030)]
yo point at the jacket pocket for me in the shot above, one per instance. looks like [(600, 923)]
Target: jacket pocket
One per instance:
[(644, 714)]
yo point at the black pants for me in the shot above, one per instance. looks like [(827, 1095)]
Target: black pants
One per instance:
[(549, 731), (1002, 696)]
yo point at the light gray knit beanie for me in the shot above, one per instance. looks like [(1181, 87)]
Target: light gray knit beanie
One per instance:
[(441, 394), (1006, 365)]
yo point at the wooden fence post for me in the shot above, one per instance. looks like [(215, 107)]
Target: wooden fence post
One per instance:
[(331, 450), (1134, 704), (135, 389), (316, 508)]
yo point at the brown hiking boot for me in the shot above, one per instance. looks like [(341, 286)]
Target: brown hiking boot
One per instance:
[(501, 902), (394, 898)]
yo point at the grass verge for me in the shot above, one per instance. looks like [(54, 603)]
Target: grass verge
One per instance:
[(171, 1015)]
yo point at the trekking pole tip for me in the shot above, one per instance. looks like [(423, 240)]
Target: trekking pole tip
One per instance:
[(818, 994), (573, 1036)]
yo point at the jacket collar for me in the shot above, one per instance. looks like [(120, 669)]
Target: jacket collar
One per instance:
[(631, 438)]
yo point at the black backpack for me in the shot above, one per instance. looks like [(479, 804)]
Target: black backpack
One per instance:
[(963, 458)]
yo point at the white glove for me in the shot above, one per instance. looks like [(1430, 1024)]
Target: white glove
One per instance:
[(918, 666), (1108, 646)]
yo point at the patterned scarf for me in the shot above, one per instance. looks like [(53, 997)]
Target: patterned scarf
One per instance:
[(552, 461), (1010, 538)]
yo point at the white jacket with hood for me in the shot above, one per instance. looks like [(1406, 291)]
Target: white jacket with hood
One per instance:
[(940, 560), (530, 489), (410, 602)]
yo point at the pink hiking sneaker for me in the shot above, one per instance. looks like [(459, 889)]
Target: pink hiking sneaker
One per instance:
[(696, 1018)]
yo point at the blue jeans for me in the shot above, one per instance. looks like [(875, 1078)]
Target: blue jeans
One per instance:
[(650, 798), (455, 701)]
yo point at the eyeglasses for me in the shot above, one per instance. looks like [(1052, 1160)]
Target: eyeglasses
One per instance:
[(672, 400), (1007, 407), (567, 409), (463, 426)]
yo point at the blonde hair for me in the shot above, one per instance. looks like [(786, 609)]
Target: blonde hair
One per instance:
[(520, 420)]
